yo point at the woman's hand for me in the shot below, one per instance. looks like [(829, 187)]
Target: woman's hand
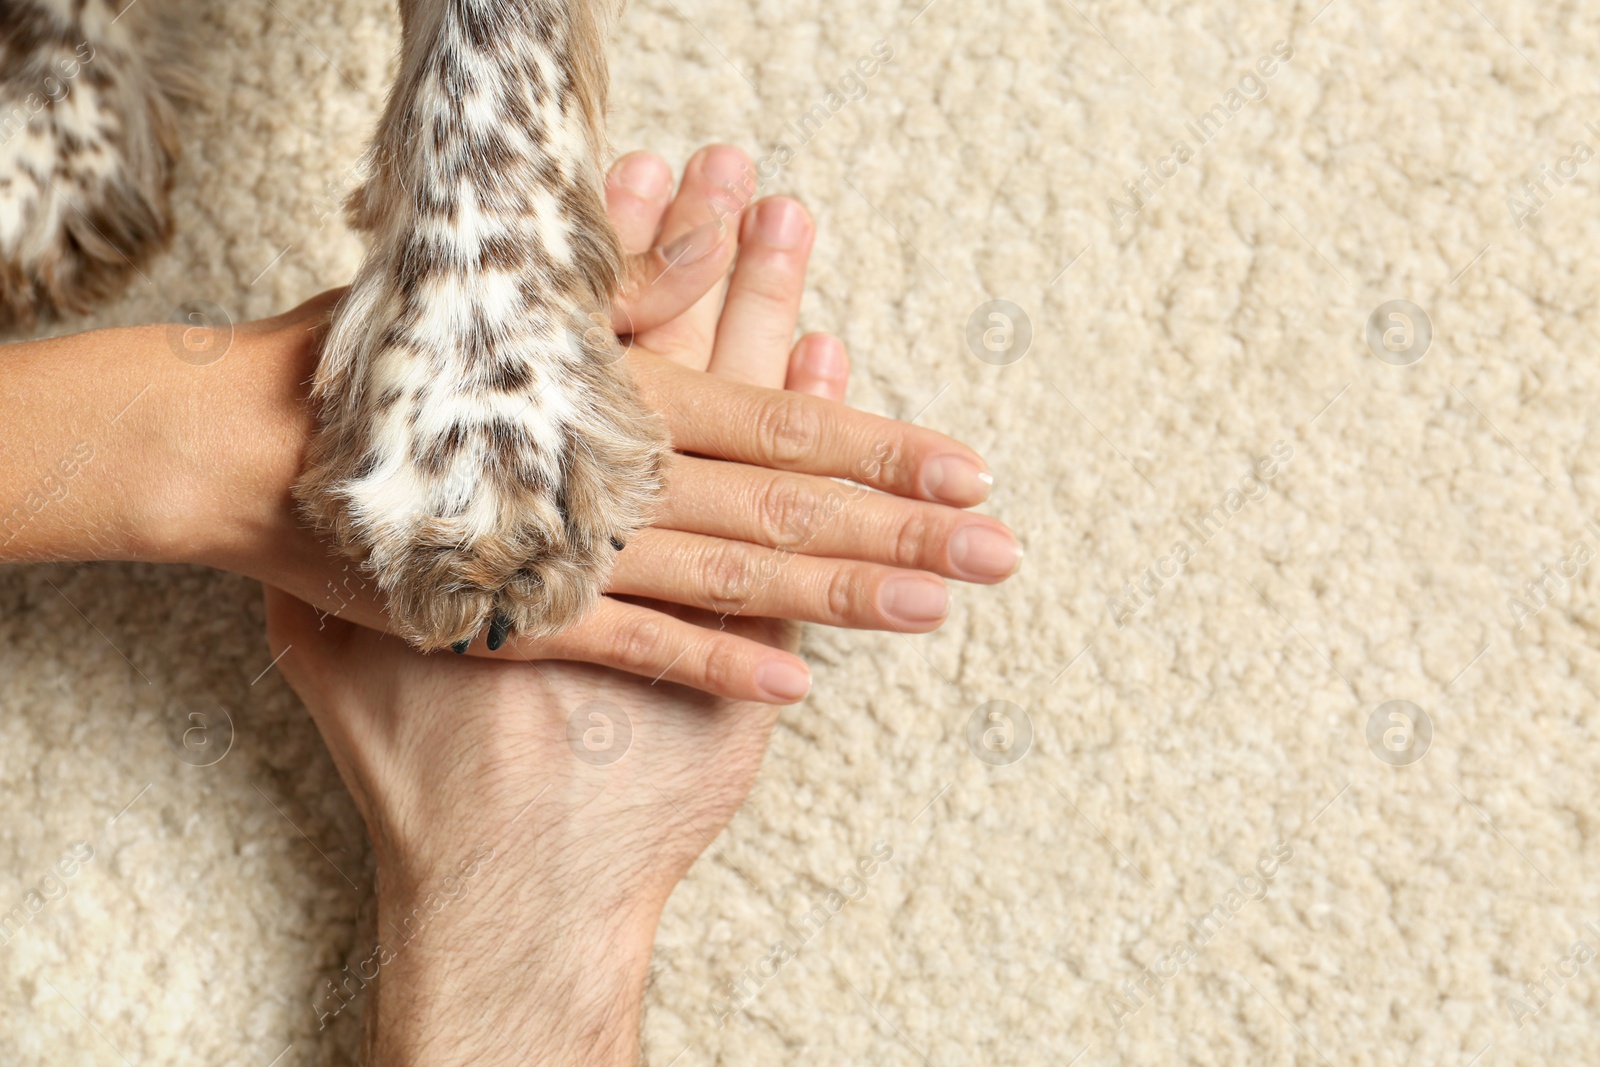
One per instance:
[(754, 525), (194, 463)]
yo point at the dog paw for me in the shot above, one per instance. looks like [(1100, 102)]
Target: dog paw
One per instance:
[(480, 447), (87, 148), (481, 450)]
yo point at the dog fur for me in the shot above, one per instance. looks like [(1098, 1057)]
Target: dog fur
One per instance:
[(481, 450)]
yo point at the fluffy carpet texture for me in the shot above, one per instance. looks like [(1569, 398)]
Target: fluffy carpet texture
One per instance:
[(1199, 831)]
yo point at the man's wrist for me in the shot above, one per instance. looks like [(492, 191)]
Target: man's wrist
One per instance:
[(501, 964)]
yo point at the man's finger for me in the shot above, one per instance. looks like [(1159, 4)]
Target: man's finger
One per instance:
[(819, 365), (758, 319), (667, 281), (718, 182), (638, 189)]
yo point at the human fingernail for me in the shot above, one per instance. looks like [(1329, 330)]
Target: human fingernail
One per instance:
[(982, 551), (727, 171), (780, 224), (783, 681), (956, 480), (694, 245), (823, 358), (914, 600), (726, 166), (644, 176)]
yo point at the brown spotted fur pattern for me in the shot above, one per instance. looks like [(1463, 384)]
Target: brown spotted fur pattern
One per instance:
[(87, 145), (481, 450)]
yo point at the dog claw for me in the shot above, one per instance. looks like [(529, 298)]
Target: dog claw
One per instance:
[(460, 647), (617, 544), (499, 630)]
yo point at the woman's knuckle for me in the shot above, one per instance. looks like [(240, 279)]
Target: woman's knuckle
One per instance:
[(909, 544), (789, 428), (726, 576), (635, 644), (893, 464), (786, 513), (721, 668), (844, 595)]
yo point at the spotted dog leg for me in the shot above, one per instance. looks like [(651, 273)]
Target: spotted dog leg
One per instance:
[(87, 145), (481, 448)]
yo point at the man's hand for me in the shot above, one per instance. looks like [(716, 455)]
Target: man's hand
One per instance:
[(529, 820)]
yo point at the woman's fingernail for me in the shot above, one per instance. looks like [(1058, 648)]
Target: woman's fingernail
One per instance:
[(984, 552), (694, 245), (781, 224), (956, 480), (823, 358), (644, 176), (783, 681), (914, 600)]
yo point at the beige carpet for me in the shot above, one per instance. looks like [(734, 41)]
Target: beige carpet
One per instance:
[(1185, 735)]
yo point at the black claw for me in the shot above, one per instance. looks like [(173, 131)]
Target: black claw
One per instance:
[(460, 647), (617, 544), (499, 630)]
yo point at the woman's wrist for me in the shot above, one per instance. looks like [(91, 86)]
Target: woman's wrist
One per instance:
[(233, 433), (89, 476)]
